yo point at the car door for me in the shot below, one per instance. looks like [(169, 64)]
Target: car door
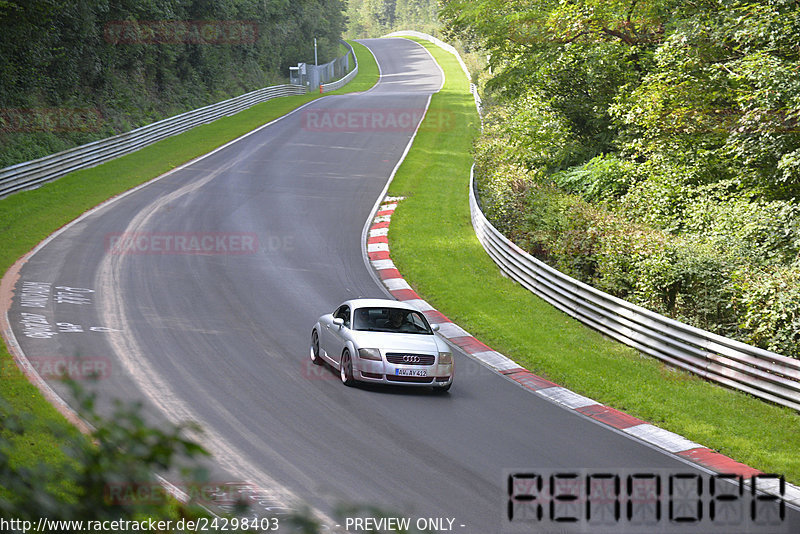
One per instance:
[(335, 335)]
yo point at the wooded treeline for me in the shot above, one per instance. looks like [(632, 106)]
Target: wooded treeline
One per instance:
[(130, 62), (373, 18), (650, 148)]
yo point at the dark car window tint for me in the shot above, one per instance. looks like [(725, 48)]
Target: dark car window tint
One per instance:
[(395, 320), (416, 318), (343, 313)]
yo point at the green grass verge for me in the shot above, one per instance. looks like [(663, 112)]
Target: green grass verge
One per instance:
[(26, 218), (367, 71), (435, 248)]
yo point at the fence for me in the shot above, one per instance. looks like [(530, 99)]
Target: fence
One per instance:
[(32, 174), (332, 86), (313, 76), (761, 373)]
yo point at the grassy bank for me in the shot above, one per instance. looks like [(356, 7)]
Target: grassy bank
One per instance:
[(28, 217), (435, 248)]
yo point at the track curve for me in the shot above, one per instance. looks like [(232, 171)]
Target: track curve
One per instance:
[(222, 337)]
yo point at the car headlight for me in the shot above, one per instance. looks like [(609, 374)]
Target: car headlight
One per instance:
[(445, 357), (369, 354)]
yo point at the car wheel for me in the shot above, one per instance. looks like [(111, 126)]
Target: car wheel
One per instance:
[(315, 348), (346, 369)]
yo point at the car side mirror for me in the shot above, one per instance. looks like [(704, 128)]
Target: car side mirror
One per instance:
[(435, 327), (338, 321)]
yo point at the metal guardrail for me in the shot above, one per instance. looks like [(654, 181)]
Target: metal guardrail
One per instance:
[(328, 87), (35, 173), (32, 174), (761, 373)]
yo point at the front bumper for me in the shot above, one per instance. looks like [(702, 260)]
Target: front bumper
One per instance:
[(383, 372)]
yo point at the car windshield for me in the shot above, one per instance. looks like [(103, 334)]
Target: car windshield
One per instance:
[(395, 320)]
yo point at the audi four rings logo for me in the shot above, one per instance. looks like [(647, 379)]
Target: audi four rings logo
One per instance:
[(410, 358)]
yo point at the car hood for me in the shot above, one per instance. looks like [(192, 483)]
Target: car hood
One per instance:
[(398, 342)]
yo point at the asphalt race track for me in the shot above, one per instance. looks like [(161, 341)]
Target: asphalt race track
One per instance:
[(221, 337)]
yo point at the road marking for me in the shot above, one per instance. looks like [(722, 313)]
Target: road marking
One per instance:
[(383, 264), (665, 439), (496, 360), (379, 232), (378, 247), (566, 397), (35, 294), (396, 283)]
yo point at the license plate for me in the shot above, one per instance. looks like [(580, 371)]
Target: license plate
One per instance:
[(411, 372)]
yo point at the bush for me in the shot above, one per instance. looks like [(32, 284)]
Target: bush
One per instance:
[(756, 232), (684, 278), (661, 167), (660, 199), (604, 177), (501, 185), (121, 450), (112, 473), (688, 281), (768, 305), (533, 135)]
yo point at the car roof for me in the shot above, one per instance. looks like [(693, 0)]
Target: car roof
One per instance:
[(377, 303)]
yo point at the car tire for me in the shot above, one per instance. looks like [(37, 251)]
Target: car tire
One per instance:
[(346, 369), (315, 357)]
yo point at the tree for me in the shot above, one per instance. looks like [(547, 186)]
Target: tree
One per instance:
[(130, 62), (575, 55), (373, 18)]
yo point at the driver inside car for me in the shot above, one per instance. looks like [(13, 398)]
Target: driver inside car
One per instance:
[(396, 319)]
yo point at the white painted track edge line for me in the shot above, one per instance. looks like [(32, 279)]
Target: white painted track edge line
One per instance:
[(368, 223), (380, 71)]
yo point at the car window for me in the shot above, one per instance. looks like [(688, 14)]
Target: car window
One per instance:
[(343, 313), (416, 319), (385, 319)]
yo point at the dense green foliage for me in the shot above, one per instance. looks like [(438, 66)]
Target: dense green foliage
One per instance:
[(114, 477), (124, 452), (444, 262), (126, 64), (373, 18), (651, 149)]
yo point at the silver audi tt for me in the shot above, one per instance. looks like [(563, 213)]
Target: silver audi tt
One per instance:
[(382, 341)]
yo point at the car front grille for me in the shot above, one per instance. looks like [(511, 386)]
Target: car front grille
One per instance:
[(415, 379), (404, 358)]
